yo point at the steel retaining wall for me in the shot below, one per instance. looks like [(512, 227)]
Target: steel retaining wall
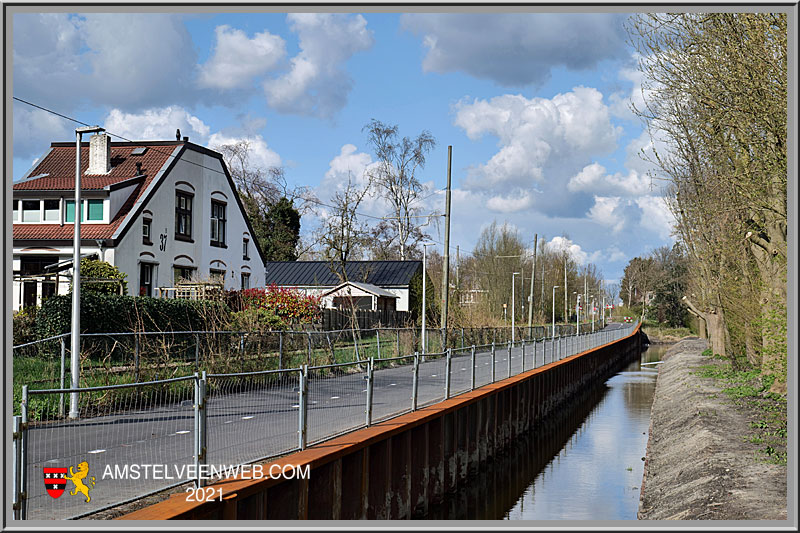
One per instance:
[(398, 468)]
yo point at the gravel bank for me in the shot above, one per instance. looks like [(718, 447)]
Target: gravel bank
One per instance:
[(699, 465)]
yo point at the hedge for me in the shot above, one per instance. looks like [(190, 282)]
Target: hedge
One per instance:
[(102, 313)]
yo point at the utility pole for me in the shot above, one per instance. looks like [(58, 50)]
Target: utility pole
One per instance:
[(566, 296), (533, 277), (446, 273), (458, 261)]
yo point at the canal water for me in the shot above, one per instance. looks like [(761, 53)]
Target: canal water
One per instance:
[(583, 464)]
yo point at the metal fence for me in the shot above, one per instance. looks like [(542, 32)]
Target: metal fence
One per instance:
[(141, 438)]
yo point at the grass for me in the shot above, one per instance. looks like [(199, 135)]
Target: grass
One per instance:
[(749, 389)]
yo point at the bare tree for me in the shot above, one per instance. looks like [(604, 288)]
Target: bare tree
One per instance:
[(394, 176)]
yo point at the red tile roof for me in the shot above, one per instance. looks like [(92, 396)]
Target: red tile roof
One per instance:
[(59, 164)]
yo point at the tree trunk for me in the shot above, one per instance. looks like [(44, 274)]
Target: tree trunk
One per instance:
[(715, 322)]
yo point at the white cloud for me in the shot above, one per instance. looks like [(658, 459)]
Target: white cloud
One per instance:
[(560, 244), (125, 61), (656, 216), (317, 83), (156, 124), (35, 129), (237, 59), (539, 139), (605, 212), (593, 179), (516, 49), (510, 204), (261, 155)]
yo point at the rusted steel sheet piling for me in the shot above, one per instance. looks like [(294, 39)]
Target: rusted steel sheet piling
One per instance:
[(399, 468)]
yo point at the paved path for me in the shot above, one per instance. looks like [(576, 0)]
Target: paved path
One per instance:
[(255, 420)]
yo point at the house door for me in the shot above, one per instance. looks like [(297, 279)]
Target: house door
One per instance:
[(29, 294)]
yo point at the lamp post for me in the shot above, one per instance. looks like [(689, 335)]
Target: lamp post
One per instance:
[(75, 340), (424, 302), (577, 313), (593, 314), (553, 335), (512, 304)]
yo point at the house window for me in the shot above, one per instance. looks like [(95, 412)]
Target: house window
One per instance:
[(217, 275), (217, 223), (147, 225), (245, 280), (15, 204), (145, 279), (31, 211), (183, 215), (69, 211), (183, 273), (94, 210), (51, 211), (246, 249)]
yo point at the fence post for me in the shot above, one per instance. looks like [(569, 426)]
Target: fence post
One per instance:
[(17, 436), (196, 352), (280, 350), (309, 348), (302, 418), (493, 359), (472, 377), (201, 414), (397, 335), (330, 346), (23, 454), (523, 355), (509, 358), (378, 338), (462, 338), (136, 360), (415, 382), (61, 382), (197, 400), (368, 411), (355, 343), (448, 367)]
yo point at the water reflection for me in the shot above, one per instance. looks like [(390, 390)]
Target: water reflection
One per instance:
[(584, 463)]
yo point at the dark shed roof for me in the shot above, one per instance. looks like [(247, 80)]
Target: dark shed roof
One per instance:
[(319, 273)]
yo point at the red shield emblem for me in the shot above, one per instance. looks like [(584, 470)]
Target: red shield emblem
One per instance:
[(55, 481)]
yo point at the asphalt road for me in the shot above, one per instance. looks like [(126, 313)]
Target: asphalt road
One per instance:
[(246, 421)]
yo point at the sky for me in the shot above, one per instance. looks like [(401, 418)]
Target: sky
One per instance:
[(536, 107)]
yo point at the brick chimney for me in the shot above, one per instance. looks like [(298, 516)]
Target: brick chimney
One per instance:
[(99, 154)]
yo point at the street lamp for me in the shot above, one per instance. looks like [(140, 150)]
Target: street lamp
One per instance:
[(577, 313), (75, 340), (554, 312), (512, 304), (424, 302)]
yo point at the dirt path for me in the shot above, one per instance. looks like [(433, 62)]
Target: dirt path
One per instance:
[(700, 464)]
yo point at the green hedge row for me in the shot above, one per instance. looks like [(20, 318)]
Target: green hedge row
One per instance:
[(101, 313)]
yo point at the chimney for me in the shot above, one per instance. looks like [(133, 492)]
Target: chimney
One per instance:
[(138, 168), (99, 154)]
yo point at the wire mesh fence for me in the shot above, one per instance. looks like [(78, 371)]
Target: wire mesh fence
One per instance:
[(393, 386), (251, 416), (118, 428), (337, 399), (234, 418)]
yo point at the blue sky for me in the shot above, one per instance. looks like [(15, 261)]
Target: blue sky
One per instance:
[(535, 106)]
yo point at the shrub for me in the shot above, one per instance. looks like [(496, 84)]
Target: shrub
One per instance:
[(259, 319), (91, 268), (24, 326), (291, 306), (102, 313)]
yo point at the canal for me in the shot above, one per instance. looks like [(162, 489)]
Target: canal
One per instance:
[(585, 463)]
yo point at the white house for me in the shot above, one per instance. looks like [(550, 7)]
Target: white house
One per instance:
[(360, 296), (159, 211), (375, 281)]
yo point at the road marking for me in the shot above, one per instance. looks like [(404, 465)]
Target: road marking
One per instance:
[(96, 451), (246, 417)]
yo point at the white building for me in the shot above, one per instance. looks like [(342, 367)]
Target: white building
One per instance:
[(159, 211), (377, 285)]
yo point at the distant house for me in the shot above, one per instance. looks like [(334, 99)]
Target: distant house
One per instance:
[(371, 284), (160, 211)]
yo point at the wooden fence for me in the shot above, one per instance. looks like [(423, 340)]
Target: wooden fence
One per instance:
[(334, 319)]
